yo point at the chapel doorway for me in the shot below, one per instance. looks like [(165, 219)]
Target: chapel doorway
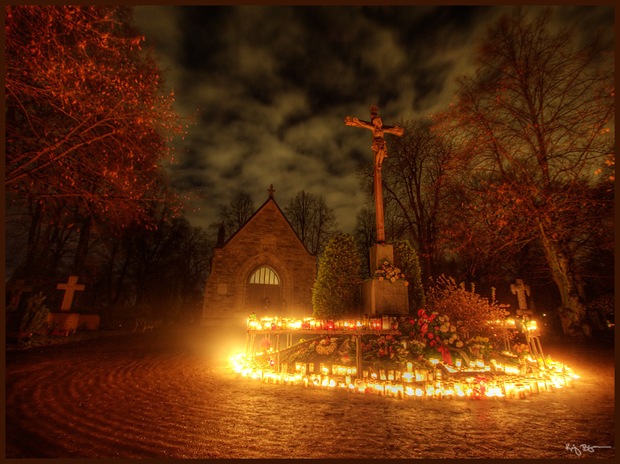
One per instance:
[(263, 290)]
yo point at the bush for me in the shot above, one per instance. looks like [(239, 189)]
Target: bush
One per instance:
[(406, 258), (336, 290), (29, 318), (473, 315)]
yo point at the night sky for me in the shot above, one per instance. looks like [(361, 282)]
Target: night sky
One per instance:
[(269, 87)]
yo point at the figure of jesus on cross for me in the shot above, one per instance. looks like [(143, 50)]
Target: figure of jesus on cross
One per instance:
[(379, 148)]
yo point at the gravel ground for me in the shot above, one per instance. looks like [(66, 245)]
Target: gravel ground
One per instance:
[(167, 394)]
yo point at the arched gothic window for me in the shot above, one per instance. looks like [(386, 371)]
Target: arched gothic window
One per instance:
[(265, 275)]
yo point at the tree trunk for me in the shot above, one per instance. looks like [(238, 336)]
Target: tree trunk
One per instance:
[(572, 311), (27, 270), (81, 252)]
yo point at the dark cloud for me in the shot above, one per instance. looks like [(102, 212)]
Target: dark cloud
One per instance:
[(269, 87)]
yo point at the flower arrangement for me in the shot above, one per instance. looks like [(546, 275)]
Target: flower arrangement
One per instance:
[(520, 349), (385, 346), (389, 272), (437, 330), (479, 347), (327, 346)]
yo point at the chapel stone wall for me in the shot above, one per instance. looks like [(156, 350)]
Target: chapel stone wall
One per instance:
[(266, 239)]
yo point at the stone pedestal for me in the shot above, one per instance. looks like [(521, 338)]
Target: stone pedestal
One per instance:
[(382, 296), (65, 323)]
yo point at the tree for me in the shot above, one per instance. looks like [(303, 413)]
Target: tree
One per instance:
[(395, 225), (311, 218), (159, 270), (414, 183), (336, 289), (88, 125), (533, 126), (365, 235), (235, 215), (406, 259)]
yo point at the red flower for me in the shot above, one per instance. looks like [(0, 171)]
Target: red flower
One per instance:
[(432, 343), (432, 317), (430, 335), (424, 328), (421, 312)]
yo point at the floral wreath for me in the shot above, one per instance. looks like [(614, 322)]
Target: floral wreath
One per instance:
[(327, 346)]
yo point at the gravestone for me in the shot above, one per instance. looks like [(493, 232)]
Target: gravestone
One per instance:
[(532, 338), (522, 291), (70, 288), (380, 296)]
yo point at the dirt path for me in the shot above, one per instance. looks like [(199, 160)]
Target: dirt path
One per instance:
[(165, 394)]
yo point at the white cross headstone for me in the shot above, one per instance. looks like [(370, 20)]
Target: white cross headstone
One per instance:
[(70, 288), (522, 291)]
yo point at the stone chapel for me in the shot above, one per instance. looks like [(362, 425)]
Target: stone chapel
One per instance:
[(263, 268)]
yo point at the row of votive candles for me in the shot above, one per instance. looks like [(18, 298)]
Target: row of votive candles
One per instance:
[(277, 323), (512, 387), (410, 375)]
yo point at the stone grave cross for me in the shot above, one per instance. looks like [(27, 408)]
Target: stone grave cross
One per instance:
[(70, 288), (522, 291)]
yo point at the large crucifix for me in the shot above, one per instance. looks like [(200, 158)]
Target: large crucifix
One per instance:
[(380, 150)]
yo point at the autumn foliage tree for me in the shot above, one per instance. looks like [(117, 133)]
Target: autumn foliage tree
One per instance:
[(88, 125), (534, 128)]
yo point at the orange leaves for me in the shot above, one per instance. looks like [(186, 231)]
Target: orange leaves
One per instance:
[(81, 93)]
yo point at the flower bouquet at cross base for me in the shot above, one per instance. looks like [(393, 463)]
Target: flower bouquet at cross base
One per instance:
[(390, 273)]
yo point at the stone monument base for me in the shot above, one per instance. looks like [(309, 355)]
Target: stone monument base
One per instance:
[(384, 297), (72, 322)]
